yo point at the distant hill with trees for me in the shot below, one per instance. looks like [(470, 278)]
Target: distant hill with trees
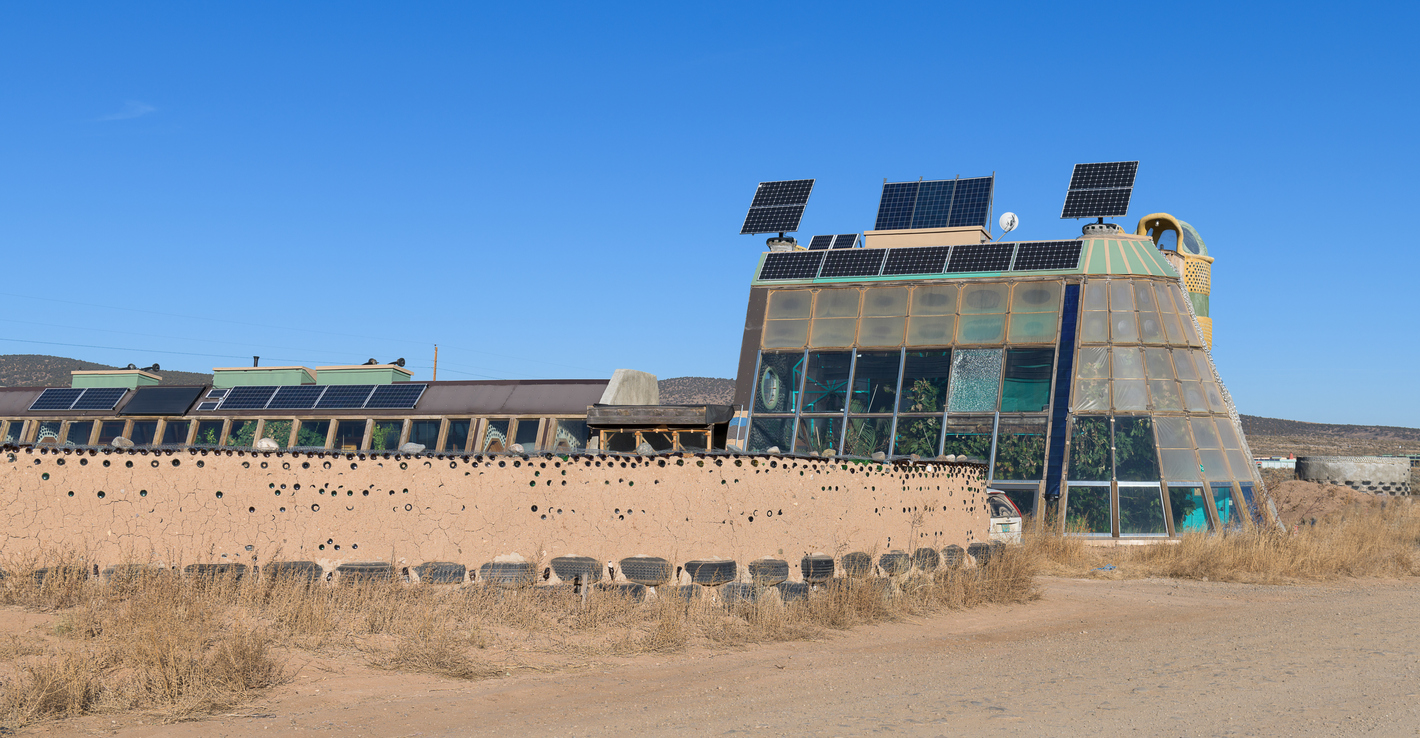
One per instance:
[(39, 370)]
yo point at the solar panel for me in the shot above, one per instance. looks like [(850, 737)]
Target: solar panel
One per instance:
[(941, 203), (920, 260), (791, 265), (248, 398), (217, 394), (99, 398), (777, 206), (845, 240), (161, 401), (987, 257), (1047, 255), (56, 399), (820, 242), (345, 396), (296, 397), (1100, 190), (400, 396), (853, 263), (208, 405)]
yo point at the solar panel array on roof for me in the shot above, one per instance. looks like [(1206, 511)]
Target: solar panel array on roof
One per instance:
[(922, 260), (402, 396), (820, 242), (345, 395), (987, 257), (70, 398), (1047, 255), (845, 240), (943, 203), (1100, 190), (58, 398), (296, 397), (791, 265), (853, 263), (399, 396), (161, 401), (248, 398), (777, 206), (1025, 256)]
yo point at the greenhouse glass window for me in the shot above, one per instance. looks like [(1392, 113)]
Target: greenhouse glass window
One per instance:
[(1087, 510), (1121, 296), (980, 298), (567, 435), (1092, 395), (209, 432), (819, 434), (826, 383), (867, 436), (931, 330), (48, 431), (312, 433), (885, 302), (349, 434), (1128, 363), (384, 436), (1026, 387), (1179, 463), (1090, 457), (175, 432), (789, 304), (937, 299), (833, 332), (1228, 514), (1020, 450), (144, 432), (976, 380), (1123, 327), (979, 329), (242, 433), (1190, 512), (771, 432), (1094, 327), (969, 436), (79, 432), (917, 434), (1141, 511), (875, 382), (1095, 298), (527, 434), (777, 387), (1134, 457), (837, 303), (457, 439), (424, 433), (1035, 297), (925, 379), (881, 331), (785, 334), (1144, 296), (1164, 394), (278, 431)]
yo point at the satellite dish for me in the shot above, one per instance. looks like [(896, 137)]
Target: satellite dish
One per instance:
[(1009, 222)]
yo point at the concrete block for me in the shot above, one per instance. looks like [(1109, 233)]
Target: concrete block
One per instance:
[(1375, 474), (630, 387)]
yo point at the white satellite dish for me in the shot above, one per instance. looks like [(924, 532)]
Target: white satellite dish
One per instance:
[(1008, 222)]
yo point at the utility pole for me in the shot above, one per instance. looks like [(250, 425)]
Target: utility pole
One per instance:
[(436, 362)]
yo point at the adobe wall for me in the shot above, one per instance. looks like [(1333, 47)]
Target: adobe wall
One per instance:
[(189, 506)]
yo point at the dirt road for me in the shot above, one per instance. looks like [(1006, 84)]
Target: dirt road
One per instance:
[(1092, 658)]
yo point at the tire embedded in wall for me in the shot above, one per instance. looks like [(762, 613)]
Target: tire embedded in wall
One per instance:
[(652, 571), (568, 568), (792, 591), (817, 568), (739, 593), (61, 573), (895, 563), (629, 590), (857, 564), (926, 559), (712, 573), (441, 572), (308, 571), (365, 571), (981, 552), (215, 571), (768, 572), (507, 573), (953, 556), (689, 592)]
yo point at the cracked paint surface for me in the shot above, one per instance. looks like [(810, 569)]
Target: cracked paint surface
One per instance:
[(189, 506)]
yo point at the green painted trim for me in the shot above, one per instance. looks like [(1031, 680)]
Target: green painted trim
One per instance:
[(1096, 266), (1133, 258)]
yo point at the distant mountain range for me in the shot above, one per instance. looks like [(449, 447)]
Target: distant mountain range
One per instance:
[(38, 370)]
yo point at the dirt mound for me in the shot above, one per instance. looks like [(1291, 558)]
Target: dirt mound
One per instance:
[(1299, 501)]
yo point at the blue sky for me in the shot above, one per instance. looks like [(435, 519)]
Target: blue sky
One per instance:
[(555, 190)]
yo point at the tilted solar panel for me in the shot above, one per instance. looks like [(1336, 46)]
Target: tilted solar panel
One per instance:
[(919, 260), (99, 398), (57, 398), (853, 263), (791, 265), (399, 396), (987, 257), (345, 396), (1047, 255), (248, 398)]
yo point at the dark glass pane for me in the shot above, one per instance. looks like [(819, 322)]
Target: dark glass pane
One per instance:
[(658, 440), (209, 432), (1134, 456), (768, 432), (384, 436), (349, 434), (777, 387), (313, 433), (875, 381), (15, 431), (1020, 450), (693, 440), (495, 437), (457, 440), (918, 435), (1190, 512), (1141, 511), (49, 431), (570, 435), (622, 441), (968, 436), (826, 386), (425, 432), (925, 376), (867, 436), (144, 432), (1087, 510), (1251, 502), (242, 433), (1026, 388), (175, 432), (1023, 499), (1227, 512), (819, 434), (79, 432), (527, 434), (1089, 450), (278, 431)]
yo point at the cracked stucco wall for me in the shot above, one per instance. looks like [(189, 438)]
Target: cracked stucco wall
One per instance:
[(189, 506)]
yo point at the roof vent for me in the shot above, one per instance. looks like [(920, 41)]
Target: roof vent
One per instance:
[(1101, 229)]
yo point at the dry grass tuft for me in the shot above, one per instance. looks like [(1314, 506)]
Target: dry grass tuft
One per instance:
[(1359, 541)]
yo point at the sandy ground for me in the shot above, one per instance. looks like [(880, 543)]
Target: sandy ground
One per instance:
[(1096, 658)]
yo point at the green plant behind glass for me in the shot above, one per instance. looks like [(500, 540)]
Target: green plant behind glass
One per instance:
[(307, 437), (920, 435), (1089, 450)]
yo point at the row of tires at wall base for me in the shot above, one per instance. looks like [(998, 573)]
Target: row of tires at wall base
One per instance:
[(630, 576)]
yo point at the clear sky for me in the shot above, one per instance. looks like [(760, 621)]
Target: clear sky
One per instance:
[(555, 190)]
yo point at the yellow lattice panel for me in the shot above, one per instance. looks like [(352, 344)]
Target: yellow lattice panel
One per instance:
[(1206, 325), (1197, 275)]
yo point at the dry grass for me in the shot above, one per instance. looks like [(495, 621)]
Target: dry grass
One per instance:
[(1359, 541), (176, 647)]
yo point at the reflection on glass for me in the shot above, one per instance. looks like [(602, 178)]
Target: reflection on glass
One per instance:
[(692, 440), (1026, 386), (875, 382), (975, 381), (917, 435), (1227, 511), (457, 439), (312, 433), (495, 437), (1090, 450), (278, 431), (1141, 511), (242, 433), (1023, 499), (1251, 502), (349, 434), (1020, 451), (1134, 458), (384, 435), (789, 304), (826, 384), (867, 436), (778, 383), (1087, 510), (620, 441), (48, 431), (526, 434), (1190, 512), (568, 435), (80, 431), (925, 378), (209, 432), (769, 432), (967, 436), (819, 434), (144, 432), (175, 432), (424, 433)]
